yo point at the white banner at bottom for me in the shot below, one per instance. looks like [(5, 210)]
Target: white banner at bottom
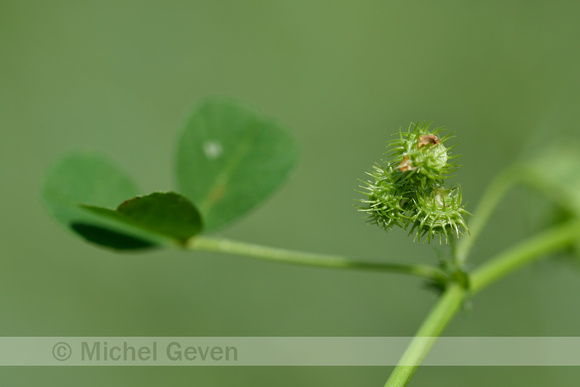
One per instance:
[(285, 351)]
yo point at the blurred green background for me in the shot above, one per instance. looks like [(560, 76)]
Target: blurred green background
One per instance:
[(116, 76)]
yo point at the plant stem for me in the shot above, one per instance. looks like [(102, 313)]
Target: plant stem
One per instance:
[(524, 253), (436, 321), (453, 251), (311, 259), (500, 185), (496, 268)]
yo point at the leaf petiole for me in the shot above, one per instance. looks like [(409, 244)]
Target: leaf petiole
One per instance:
[(220, 245)]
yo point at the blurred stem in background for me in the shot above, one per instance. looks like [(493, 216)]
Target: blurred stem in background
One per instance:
[(500, 185)]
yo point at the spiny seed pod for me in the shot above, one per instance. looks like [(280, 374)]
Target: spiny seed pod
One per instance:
[(385, 203), (422, 155), (408, 188), (439, 214)]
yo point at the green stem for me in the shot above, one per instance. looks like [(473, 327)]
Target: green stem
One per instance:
[(500, 185), (496, 268), (524, 253), (432, 327), (453, 251), (311, 259)]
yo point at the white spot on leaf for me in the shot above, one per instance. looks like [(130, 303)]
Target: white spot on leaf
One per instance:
[(212, 149)]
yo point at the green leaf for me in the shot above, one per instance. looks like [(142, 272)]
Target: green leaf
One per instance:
[(166, 214), (230, 159), (88, 178), (82, 189)]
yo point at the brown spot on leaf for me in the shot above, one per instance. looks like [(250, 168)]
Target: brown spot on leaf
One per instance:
[(428, 139)]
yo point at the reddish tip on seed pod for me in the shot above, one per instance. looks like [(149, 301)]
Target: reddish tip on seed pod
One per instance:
[(405, 165)]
